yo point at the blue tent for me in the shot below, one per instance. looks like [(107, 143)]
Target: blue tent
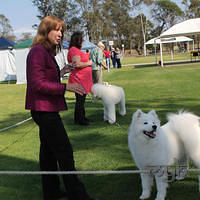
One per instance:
[(5, 43), (88, 45), (65, 44)]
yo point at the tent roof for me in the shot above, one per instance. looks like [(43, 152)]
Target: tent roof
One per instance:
[(169, 40), (6, 43), (65, 44), (88, 45), (188, 27), (24, 44), (28, 43)]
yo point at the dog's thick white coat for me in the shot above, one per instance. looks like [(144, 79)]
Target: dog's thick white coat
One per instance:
[(152, 145), (110, 96)]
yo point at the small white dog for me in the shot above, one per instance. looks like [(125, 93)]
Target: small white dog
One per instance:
[(110, 96), (152, 145)]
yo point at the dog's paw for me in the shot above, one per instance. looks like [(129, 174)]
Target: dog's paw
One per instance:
[(111, 121), (122, 113), (145, 195), (160, 198)]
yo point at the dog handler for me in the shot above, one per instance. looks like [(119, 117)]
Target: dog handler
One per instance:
[(45, 98), (97, 58)]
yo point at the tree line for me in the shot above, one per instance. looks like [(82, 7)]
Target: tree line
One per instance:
[(127, 22)]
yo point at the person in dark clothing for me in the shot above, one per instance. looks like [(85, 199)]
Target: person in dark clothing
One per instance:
[(45, 99), (113, 58), (118, 57)]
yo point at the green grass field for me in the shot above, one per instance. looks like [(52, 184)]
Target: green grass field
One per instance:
[(99, 146)]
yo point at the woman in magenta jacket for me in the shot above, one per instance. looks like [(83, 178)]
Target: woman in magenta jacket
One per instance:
[(45, 98)]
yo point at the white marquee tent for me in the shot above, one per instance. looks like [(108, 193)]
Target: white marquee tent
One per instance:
[(7, 65), (13, 64), (169, 40), (188, 27), (20, 62), (158, 40)]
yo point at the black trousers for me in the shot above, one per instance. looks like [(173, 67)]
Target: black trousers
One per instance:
[(118, 63), (79, 111), (56, 151)]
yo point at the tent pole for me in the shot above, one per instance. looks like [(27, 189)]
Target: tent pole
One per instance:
[(193, 45), (161, 55), (155, 51), (156, 55)]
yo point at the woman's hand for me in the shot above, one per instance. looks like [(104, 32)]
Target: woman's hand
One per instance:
[(66, 69), (90, 62), (75, 87)]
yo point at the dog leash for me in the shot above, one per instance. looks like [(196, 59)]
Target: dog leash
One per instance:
[(116, 123), (92, 99), (74, 72)]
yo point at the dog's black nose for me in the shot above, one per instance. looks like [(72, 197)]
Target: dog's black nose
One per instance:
[(154, 127)]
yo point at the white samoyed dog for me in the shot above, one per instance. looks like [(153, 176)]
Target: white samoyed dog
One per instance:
[(110, 96), (153, 145)]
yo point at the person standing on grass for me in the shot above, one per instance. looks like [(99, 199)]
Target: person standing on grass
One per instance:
[(107, 56), (118, 57), (97, 57), (113, 58), (45, 99), (87, 53), (82, 74)]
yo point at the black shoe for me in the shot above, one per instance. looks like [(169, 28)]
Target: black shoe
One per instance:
[(83, 123), (88, 120), (57, 195), (95, 199)]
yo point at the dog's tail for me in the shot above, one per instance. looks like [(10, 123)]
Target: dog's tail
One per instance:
[(187, 127)]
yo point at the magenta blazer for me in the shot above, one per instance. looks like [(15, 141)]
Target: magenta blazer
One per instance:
[(44, 90)]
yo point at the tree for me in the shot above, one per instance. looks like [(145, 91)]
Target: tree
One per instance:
[(116, 19), (136, 3), (166, 13), (63, 9), (5, 28), (25, 36), (90, 13), (192, 8), (137, 37), (45, 7)]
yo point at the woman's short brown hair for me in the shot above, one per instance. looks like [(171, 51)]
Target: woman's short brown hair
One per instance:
[(46, 25)]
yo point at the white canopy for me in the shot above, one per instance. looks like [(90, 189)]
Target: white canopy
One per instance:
[(169, 40), (20, 62), (13, 64), (7, 65), (188, 27)]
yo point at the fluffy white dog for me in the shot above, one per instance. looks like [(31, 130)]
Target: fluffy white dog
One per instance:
[(152, 145), (110, 96)]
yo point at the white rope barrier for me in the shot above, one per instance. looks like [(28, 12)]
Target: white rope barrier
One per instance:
[(151, 171), (71, 172), (17, 124)]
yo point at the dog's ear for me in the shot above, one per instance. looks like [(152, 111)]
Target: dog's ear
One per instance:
[(137, 114), (153, 112)]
